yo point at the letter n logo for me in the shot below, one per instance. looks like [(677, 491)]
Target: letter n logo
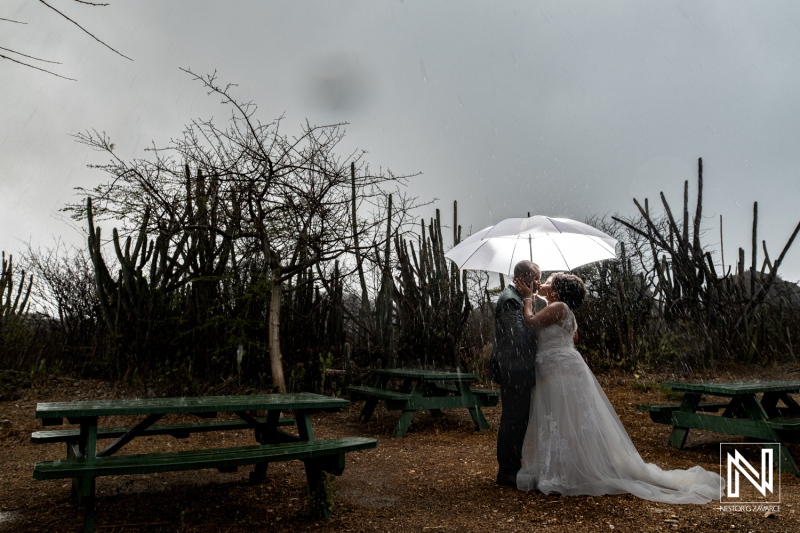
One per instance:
[(739, 465), (744, 480)]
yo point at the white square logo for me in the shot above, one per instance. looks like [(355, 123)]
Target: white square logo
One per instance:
[(751, 473)]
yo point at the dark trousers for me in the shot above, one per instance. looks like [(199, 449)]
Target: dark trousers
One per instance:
[(513, 423)]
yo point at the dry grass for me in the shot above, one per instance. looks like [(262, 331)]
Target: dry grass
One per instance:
[(439, 478)]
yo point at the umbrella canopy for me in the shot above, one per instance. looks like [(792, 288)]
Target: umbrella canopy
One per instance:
[(552, 243)]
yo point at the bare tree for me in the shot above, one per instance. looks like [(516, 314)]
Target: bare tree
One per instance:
[(16, 55), (287, 200)]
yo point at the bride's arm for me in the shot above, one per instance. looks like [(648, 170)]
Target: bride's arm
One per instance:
[(551, 314), (548, 316)]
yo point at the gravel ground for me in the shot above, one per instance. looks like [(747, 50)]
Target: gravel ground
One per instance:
[(440, 478)]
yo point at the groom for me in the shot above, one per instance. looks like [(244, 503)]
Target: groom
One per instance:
[(512, 367)]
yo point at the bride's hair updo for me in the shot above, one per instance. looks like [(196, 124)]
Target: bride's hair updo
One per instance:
[(570, 289)]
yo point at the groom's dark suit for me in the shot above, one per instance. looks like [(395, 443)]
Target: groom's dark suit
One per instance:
[(512, 367)]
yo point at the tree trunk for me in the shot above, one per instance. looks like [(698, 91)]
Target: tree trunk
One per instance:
[(274, 331)]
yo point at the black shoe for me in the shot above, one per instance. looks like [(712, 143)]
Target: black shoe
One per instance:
[(507, 480)]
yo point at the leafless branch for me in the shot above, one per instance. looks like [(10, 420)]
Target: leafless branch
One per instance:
[(37, 68), (90, 34), (29, 57)]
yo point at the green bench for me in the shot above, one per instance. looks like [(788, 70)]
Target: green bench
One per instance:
[(399, 399), (662, 413), (178, 431), (488, 398), (760, 410), (85, 463), (422, 389), (318, 456)]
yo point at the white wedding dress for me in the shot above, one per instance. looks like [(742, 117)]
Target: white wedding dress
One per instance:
[(576, 444)]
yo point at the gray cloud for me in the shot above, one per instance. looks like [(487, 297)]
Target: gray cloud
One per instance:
[(551, 107), (338, 83)]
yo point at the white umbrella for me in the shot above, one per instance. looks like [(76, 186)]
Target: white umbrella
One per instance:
[(552, 243)]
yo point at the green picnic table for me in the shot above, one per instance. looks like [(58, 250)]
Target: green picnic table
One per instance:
[(433, 390), (85, 462), (774, 417)]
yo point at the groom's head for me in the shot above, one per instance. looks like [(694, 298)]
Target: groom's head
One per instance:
[(528, 272)]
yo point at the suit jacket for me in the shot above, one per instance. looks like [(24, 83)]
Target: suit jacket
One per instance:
[(514, 354)]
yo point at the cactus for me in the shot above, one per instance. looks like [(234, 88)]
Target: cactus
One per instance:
[(433, 305), (165, 281), (384, 305), (724, 308), (13, 305), (365, 310)]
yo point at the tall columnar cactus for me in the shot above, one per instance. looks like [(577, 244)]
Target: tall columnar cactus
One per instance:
[(312, 324), (433, 304), (335, 316), (365, 311), (384, 305), (132, 302), (13, 303), (161, 282), (691, 290)]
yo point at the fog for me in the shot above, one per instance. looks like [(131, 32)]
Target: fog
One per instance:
[(567, 109)]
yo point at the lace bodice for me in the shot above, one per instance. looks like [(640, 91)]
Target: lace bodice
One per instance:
[(558, 335)]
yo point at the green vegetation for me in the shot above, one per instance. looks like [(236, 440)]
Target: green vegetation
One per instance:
[(247, 252), (668, 302)]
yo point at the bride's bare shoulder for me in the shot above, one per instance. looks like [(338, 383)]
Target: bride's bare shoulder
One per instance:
[(560, 309), (554, 313)]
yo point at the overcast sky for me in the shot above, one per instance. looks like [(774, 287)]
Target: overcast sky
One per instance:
[(561, 108)]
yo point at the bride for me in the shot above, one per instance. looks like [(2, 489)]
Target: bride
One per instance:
[(575, 443)]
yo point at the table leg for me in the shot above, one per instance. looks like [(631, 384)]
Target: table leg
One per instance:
[(408, 385), (369, 407), (678, 437), (735, 408), (769, 402), (87, 440), (753, 408), (303, 419), (478, 418), (431, 389), (792, 409), (319, 475), (689, 404), (474, 406), (88, 498), (371, 403), (381, 382), (787, 463), (258, 475), (790, 403), (130, 435), (403, 424), (82, 492), (264, 434)]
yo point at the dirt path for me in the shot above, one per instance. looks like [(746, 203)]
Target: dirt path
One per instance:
[(440, 478)]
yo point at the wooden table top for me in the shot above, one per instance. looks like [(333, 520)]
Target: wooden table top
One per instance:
[(431, 375), (200, 404), (734, 388)]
